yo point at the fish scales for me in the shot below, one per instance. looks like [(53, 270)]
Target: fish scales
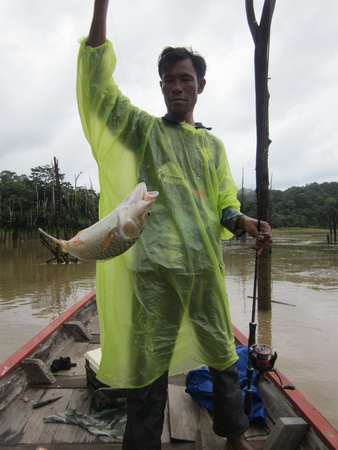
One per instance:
[(116, 248)]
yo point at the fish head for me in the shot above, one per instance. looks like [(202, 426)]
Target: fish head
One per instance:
[(137, 208)]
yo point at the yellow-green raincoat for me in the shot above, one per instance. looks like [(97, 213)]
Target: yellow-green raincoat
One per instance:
[(162, 305)]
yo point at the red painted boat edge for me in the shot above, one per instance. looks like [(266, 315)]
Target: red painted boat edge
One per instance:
[(15, 359), (305, 409)]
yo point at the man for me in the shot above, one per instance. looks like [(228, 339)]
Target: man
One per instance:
[(162, 305)]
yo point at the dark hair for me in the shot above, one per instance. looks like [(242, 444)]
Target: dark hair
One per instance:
[(171, 55)]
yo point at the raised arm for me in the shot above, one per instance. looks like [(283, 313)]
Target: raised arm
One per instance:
[(97, 33)]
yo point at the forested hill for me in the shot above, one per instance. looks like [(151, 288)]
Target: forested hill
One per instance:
[(310, 206), (43, 199)]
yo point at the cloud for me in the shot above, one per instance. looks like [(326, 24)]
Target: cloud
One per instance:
[(39, 119)]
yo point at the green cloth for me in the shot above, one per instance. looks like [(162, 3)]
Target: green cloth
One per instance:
[(163, 304)]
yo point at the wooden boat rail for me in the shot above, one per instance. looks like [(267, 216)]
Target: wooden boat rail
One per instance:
[(14, 360)]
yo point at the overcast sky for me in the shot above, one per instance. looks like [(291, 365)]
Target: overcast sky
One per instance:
[(39, 118)]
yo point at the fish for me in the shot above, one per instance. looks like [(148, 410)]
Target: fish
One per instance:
[(116, 232), (46, 402)]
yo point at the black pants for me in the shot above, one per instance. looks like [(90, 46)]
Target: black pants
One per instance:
[(145, 410)]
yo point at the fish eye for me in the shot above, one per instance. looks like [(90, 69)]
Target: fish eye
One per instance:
[(148, 213)]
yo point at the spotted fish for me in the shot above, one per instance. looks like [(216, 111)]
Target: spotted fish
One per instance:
[(115, 233)]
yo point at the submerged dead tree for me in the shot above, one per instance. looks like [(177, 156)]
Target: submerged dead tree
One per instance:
[(261, 37)]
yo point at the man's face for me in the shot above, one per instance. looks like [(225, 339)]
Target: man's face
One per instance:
[(180, 88)]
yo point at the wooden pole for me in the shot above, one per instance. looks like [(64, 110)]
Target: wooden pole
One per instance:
[(261, 37), (243, 237)]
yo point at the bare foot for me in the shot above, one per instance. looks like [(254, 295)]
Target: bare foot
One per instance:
[(237, 443)]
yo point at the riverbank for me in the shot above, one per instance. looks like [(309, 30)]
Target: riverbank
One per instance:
[(300, 231)]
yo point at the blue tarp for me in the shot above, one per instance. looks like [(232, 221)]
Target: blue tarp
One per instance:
[(199, 386)]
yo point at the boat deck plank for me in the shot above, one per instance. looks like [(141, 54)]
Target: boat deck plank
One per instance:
[(35, 426), (26, 424), (71, 433), (182, 426), (13, 422), (206, 438), (67, 382), (166, 426)]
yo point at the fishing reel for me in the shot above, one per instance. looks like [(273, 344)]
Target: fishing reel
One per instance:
[(262, 357)]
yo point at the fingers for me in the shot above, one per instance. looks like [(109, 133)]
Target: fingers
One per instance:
[(265, 233), (264, 227), (264, 237), (258, 247), (259, 230)]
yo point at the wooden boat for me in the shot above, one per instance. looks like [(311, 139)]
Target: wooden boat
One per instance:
[(26, 379)]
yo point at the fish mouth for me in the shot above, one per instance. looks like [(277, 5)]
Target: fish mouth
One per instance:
[(150, 195), (141, 193)]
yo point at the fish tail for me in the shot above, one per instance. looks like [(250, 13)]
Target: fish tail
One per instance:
[(58, 241)]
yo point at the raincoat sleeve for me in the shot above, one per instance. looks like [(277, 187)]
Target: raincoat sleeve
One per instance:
[(116, 130), (230, 218), (102, 107), (227, 195)]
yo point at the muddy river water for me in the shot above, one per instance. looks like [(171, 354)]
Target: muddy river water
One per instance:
[(302, 326)]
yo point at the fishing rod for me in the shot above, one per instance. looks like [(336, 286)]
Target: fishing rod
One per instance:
[(261, 357)]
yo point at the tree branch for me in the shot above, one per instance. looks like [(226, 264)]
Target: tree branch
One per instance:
[(250, 14)]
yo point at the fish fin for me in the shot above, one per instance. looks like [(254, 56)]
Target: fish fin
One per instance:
[(106, 240), (77, 242), (58, 241), (61, 242)]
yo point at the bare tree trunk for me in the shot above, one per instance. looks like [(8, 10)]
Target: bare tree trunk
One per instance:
[(261, 37), (58, 197), (58, 209), (75, 224)]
